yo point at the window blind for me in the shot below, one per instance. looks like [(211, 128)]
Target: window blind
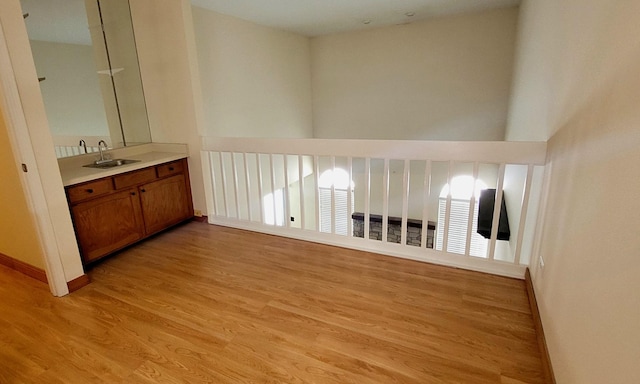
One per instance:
[(457, 236)]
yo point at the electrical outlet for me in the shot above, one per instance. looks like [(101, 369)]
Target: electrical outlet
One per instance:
[(540, 270), (197, 213), (293, 218)]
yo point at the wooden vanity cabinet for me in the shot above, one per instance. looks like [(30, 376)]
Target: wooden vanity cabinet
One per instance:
[(163, 203), (113, 212), (108, 223)]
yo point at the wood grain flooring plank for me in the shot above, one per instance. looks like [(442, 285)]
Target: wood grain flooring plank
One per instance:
[(208, 304)]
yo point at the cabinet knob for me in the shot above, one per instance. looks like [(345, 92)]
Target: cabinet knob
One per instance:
[(171, 168), (143, 190), (133, 193), (90, 190)]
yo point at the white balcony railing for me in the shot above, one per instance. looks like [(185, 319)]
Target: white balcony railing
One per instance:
[(413, 199)]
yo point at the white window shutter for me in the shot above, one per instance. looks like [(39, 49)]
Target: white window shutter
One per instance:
[(342, 214), (457, 235)]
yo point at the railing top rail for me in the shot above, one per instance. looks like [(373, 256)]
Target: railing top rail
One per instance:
[(509, 152)]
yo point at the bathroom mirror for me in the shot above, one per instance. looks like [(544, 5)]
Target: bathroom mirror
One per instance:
[(85, 56)]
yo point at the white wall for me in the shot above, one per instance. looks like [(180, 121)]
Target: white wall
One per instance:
[(169, 76), (578, 82), (256, 80), (442, 79)]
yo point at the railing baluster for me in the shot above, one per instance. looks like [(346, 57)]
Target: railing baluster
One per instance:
[(367, 196), (405, 201), (385, 201), (316, 170), (333, 195), (247, 185), (287, 203), (303, 224), (496, 212), (523, 214), (234, 169), (447, 215), (426, 197), (260, 181), (273, 189), (472, 206), (349, 198), (214, 191), (224, 185)]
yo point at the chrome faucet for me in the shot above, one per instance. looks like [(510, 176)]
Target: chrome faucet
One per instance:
[(83, 144), (102, 144)]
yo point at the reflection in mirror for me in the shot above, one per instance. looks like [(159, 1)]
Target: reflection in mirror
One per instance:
[(85, 57)]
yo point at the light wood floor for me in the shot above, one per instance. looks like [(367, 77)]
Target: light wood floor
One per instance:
[(207, 304)]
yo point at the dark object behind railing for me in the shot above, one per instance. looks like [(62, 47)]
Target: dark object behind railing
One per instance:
[(485, 215)]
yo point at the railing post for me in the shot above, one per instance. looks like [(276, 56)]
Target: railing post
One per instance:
[(224, 185), (260, 181), (333, 195), (472, 210), (447, 215), (367, 196), (350, 198), (303, 224), (426, 197), (234, 169), (287, 202), (496, 212), (247, 185), (385, 201), (405, 201), (273, 189), (316, 169)]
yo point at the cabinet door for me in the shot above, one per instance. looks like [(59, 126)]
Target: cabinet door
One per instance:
[(164, 203), (108, 223)]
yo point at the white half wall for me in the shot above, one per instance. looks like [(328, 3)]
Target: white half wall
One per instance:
[(442, 79), (578, 82), (255, 80)]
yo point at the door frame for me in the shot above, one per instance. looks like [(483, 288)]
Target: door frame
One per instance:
[(32, 145)]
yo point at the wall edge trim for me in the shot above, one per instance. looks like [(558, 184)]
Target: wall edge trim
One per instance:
[(24, 268), (78, 283), (537, 320)]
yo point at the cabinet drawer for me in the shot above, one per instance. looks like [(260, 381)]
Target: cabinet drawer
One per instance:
[(89, 190), (169, 169), (134, 178)]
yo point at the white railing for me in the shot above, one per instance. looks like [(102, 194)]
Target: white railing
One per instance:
[(317, 190)]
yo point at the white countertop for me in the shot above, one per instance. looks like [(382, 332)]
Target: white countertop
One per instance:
[(73, 172)]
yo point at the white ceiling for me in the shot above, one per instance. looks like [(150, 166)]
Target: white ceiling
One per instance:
[(65, 20), (322, 17)]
